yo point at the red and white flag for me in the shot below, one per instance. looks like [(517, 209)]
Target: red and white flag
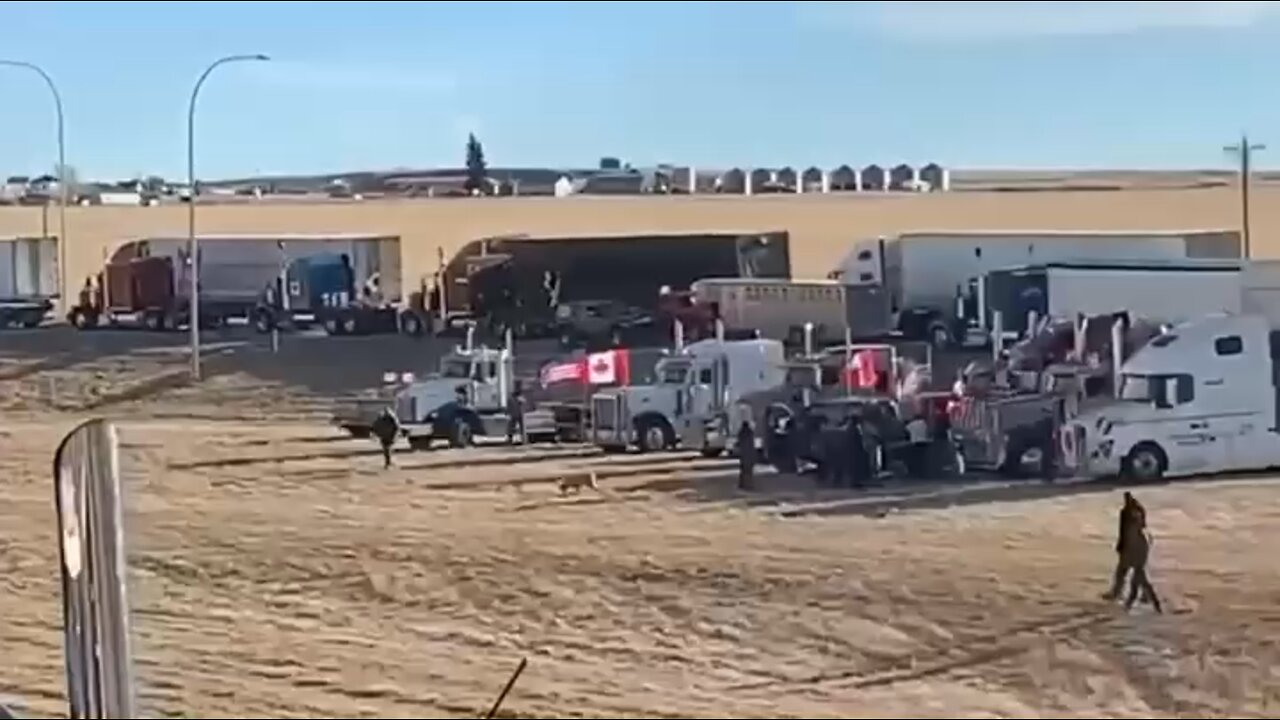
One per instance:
[(609, 367), (612, 367), (563, 372)]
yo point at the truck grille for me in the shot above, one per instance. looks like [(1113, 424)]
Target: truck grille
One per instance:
[(604, 412), (405, 409)]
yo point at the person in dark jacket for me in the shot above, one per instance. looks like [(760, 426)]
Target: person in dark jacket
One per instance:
[(1133, 546), (386, 427), (515, 413), (835, 463), (857, 458), (745, 444)]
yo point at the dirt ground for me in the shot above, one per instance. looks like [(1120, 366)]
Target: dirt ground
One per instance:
[(279, 572), (822, 226)]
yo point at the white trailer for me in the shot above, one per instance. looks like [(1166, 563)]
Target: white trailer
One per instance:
[(1069, 289), (695, 401), (28, 279), (1203, 398), (776, 308), (907, 283)]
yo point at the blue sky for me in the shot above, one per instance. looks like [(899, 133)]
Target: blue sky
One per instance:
[(382, 85)]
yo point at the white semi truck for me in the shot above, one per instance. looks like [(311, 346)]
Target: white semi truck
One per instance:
[(1203, 398), (907, 283), (695, 401), (469, 397)]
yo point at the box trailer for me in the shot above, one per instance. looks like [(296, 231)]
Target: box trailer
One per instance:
[(908, 283), (518, 281), (1162, 292), (777, 309), (29, 280)]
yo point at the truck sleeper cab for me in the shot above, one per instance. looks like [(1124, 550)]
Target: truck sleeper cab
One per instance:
[(1203, 398)]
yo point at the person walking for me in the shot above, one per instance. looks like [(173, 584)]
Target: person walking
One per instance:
[(858, 460), (918, 446), (746, 447), (1133, 548), (386, 427)]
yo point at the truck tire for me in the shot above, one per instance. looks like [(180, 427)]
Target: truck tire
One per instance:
[(460, 434), (420, 442), (653, 434), (351, 325), (263, 322), (332, 326), (153, 321), (411, 324), (711, 452), (83, 319), (1146, 462), (939, 335)]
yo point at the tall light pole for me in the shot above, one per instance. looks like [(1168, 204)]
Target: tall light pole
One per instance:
[(1245, 150), (63, 287), (193, 245)]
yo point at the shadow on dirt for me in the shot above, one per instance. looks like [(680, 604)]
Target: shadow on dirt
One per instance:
[(798, 497)]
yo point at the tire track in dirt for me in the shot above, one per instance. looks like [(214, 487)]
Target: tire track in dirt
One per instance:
[(907, 668)]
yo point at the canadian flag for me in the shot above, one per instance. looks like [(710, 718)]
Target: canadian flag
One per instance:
[(609, 367)]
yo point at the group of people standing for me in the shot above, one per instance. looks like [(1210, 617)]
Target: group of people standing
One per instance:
[(852, 452)]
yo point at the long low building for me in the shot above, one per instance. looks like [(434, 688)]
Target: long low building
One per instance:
[(821, 227)]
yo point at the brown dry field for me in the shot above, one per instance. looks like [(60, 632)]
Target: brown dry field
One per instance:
[(821, 226), (279, 572)]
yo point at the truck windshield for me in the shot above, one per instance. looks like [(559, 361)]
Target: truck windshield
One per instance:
[(1163, 390), (672, 372), (1136, 388), (456, 368)]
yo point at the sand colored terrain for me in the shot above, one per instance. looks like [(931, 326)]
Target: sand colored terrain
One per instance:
[(822, 227), (279, 572)]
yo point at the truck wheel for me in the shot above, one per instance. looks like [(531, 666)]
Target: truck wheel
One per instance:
[(411, 324), (153, 321), (1144, 463), (460, 435), (653, 435), (82, 319), (712, 452), (939, 336), (332, 326), (263, 322), (32, 323), (350, 325), (420, 442)]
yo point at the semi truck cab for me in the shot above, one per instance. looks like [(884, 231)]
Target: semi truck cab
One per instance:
[(693, 402), (1201, 398)]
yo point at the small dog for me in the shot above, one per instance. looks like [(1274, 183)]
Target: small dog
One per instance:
[(576, 483)]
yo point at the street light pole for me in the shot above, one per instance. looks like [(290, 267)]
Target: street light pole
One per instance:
[(1245, 150), (193, 245), (63, 286)]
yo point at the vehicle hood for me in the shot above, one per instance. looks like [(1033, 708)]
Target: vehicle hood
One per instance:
[(428, 395), (645, 397)]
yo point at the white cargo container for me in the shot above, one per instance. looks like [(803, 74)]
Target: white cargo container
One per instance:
[(776, 308), (907, 283), (1162, 291), (29, 279)]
